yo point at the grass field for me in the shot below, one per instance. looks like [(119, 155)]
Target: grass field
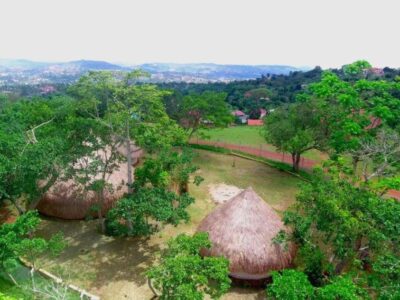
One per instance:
[(244, 135), (113, 268), (249, 136)]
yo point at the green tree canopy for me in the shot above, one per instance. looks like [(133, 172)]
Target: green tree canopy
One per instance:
[(184, 274), (204, 110), (294, 129), (39, 138), (358, 228), (142, 212)]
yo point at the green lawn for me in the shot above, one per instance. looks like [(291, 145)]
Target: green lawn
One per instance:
[(244, 135), (249, 136), (113, 268)]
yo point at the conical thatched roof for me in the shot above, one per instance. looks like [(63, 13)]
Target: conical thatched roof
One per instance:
[(70, 200), (242, 230)]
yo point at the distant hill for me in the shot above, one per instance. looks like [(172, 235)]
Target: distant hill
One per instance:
[(21, 64), (21, 71), (94, 65), (216, 72), (79, 64)]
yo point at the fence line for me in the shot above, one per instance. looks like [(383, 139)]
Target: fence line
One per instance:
[(82, 293), (305, 163)]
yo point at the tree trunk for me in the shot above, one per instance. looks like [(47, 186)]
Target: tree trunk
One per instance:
[(19, 208), (156, 295), (296, 161), (355, 162), (191, 133), (129, 223), (340, 266), (183, 188), (129, 159), (100, 212)]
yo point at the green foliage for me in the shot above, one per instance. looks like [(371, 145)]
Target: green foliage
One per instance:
[(137, 213), (385, 277), (133, 111), (272, 90), (6, 297), (169, 168), (356, 226), (38, 139), (256, 99), (17, 240), (341, 288), (290, 284), (314, 264), (294, 130), (204, 110), (356, 69), (184, 274), (346, 109)]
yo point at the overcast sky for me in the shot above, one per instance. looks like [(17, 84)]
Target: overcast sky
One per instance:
[(292, 32)]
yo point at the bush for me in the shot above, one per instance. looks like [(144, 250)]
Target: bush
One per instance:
[(341, 288), (183, 274), (290, 284)]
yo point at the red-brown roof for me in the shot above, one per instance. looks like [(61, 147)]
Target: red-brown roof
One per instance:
[(255, 122), (238, 113)]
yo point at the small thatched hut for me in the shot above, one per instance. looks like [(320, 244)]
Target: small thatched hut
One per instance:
[(242, 230), (71, 201)]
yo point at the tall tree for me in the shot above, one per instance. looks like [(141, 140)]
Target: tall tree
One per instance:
[(294, 129), (133, 111), (358, 228), (352, 111), (39, 139), (161, 195), (204, 110)]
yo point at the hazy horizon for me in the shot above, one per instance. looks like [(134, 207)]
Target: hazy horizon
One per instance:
[(142, 63), (253, 32)]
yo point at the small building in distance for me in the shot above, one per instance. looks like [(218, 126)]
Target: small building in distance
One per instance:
[(243, 230), (255, 122), (240, 117)]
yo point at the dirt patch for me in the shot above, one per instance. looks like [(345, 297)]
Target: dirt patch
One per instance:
[(221, 193)]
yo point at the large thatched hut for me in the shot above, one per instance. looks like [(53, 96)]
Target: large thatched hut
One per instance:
[(69, 199), (242, 230)]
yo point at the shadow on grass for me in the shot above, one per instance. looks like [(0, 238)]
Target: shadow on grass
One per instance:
[(105, 259)]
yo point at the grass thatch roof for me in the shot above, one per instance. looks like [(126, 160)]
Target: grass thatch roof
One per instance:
[(70, 200), (242, 230)]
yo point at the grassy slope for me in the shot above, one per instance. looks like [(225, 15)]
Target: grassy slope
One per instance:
[(113, 267), (249, 136)]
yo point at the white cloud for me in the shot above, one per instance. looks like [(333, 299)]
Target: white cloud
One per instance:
[(295, 32)]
